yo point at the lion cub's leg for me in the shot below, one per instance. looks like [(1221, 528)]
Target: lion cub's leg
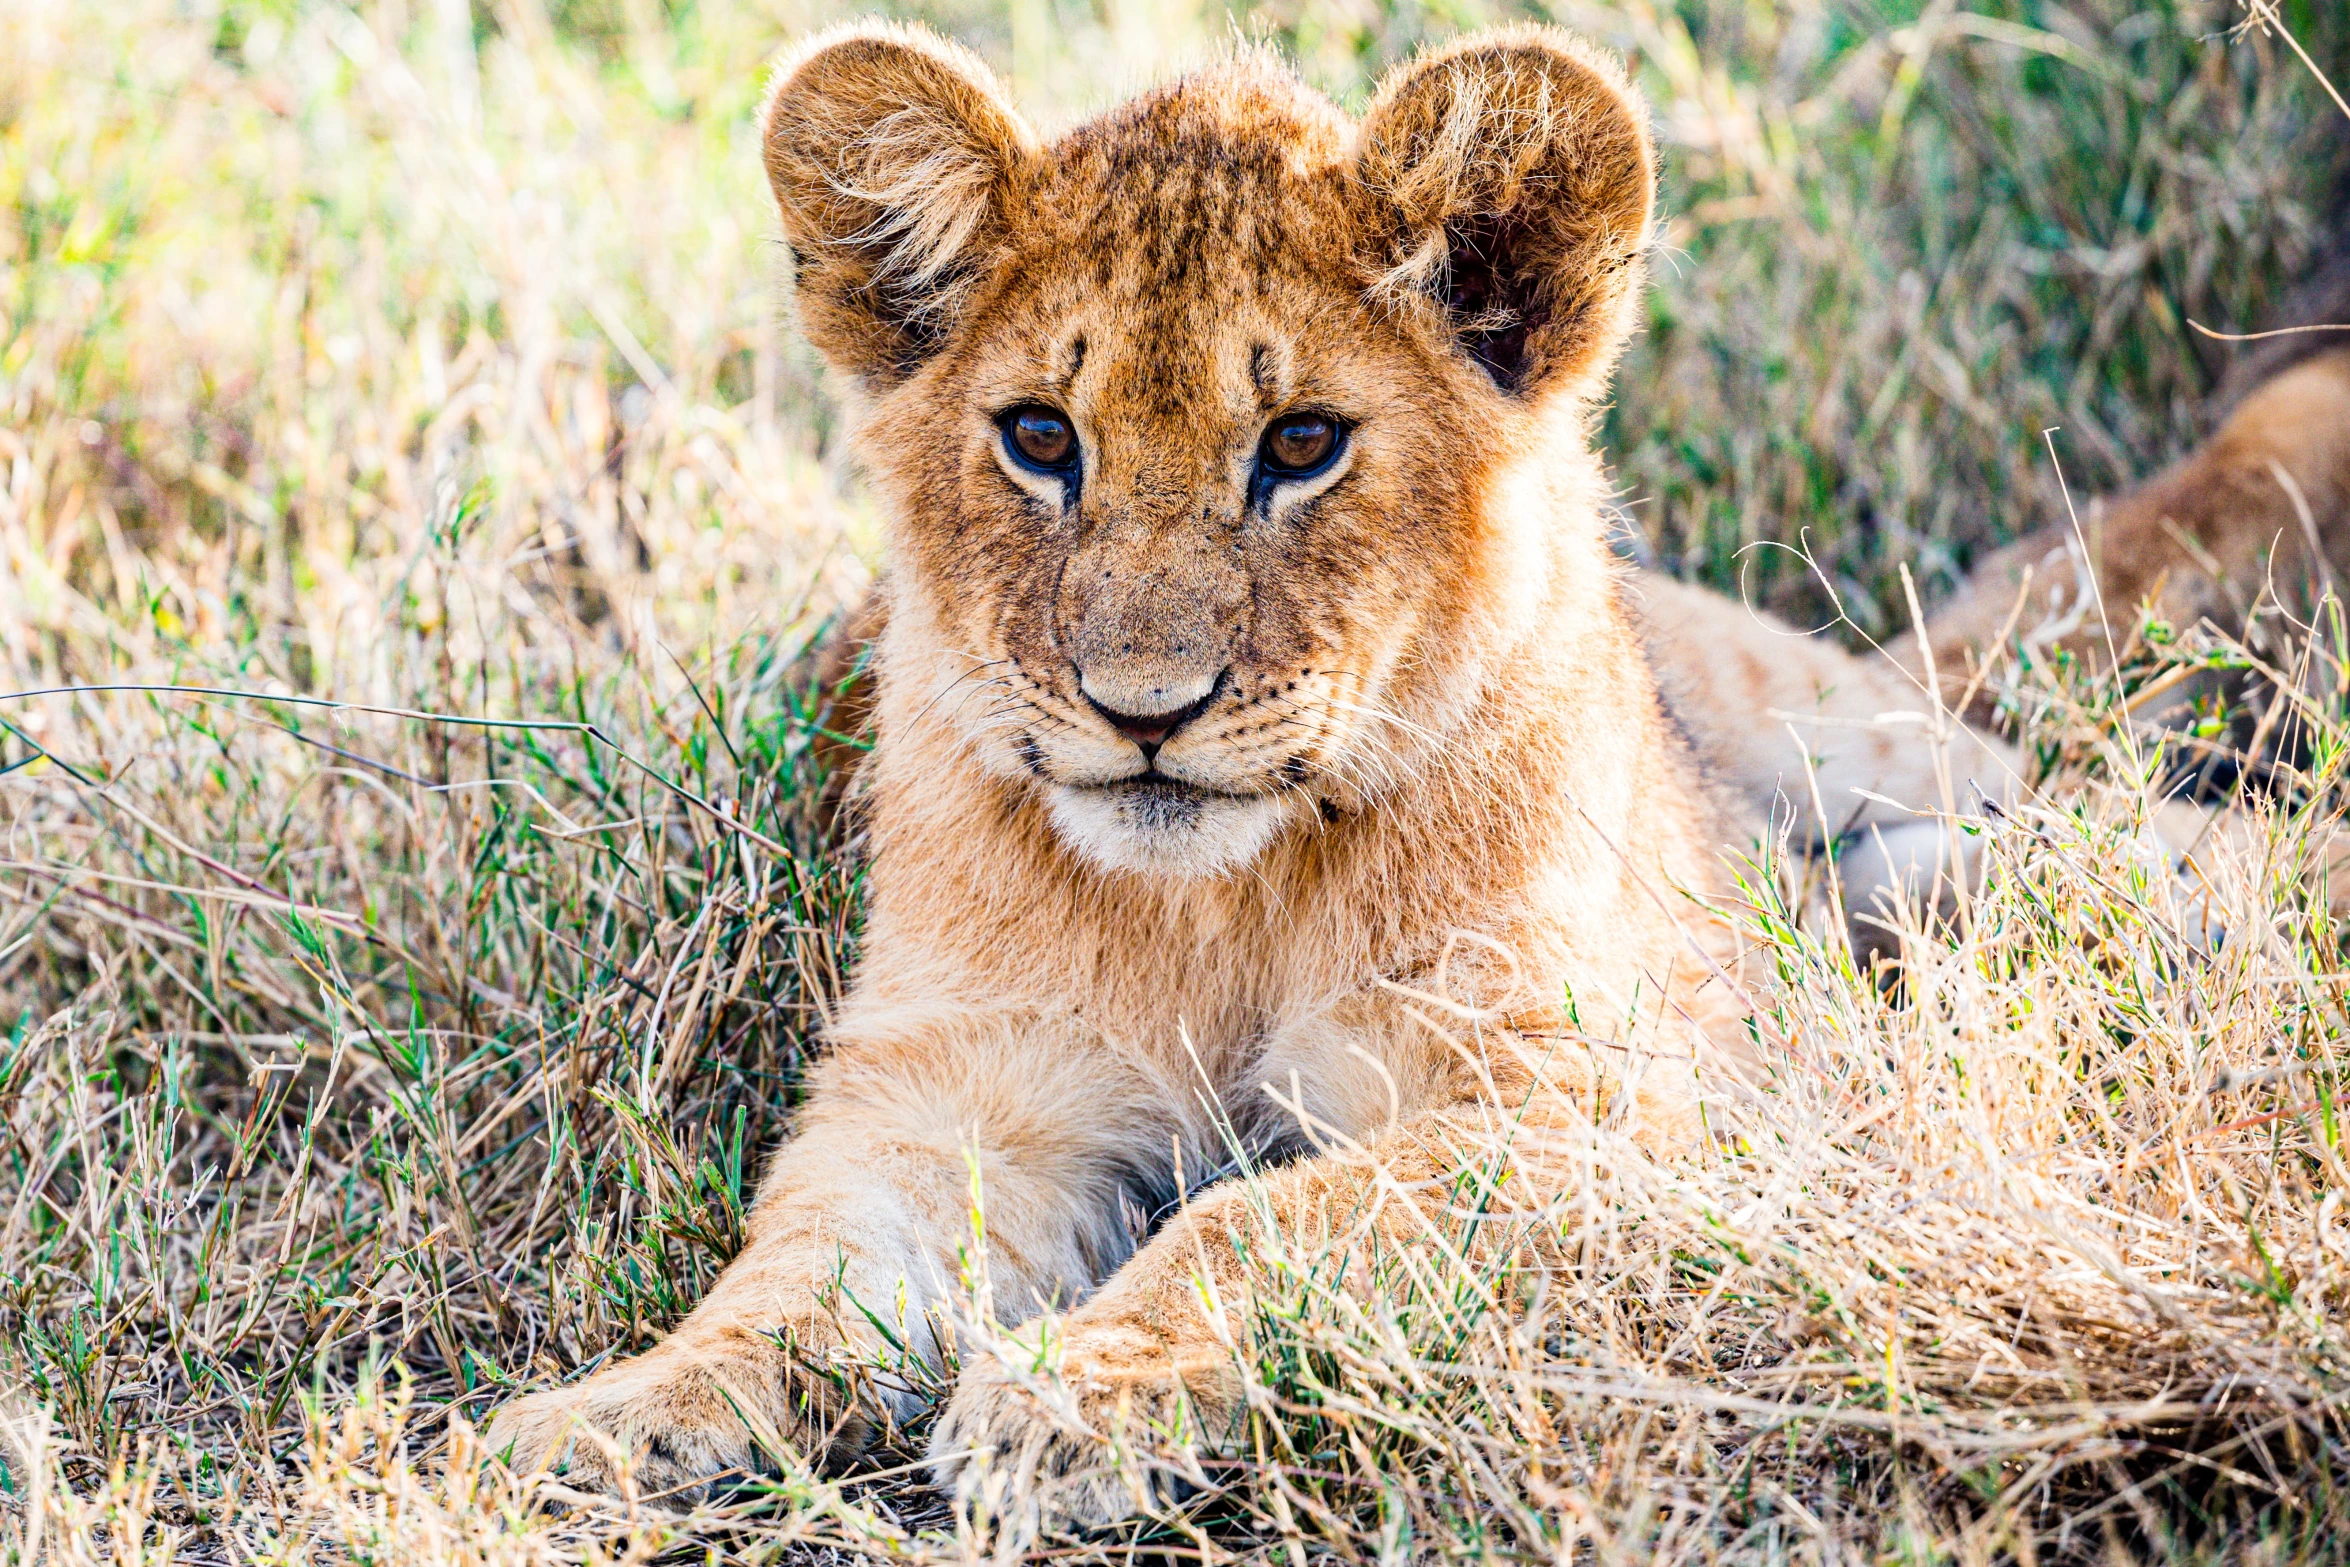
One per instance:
[(861, 1216), (2264, 505), (1112, 1409), (1109, 1411)]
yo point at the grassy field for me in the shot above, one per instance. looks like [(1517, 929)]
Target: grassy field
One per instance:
[(413, 1029)]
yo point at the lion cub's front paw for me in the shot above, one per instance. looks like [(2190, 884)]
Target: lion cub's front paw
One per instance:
[(678, 1422), (1118, 1429)]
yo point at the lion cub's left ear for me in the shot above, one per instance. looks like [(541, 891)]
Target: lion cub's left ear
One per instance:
[(896, 158), (1509, 180)]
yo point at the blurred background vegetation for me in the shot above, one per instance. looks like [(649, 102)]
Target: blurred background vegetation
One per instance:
[(434, 355), (1904, 238)]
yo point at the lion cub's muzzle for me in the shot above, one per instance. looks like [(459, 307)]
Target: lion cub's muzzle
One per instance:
[(1181, 807)]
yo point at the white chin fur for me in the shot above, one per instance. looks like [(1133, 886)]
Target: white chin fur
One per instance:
[(1164, 832)]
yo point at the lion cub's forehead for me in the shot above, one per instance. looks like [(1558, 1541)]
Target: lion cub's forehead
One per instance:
[(1231, 173)]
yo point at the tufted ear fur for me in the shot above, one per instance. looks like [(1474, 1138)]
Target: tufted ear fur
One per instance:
[(1510, 180), (895, 157)]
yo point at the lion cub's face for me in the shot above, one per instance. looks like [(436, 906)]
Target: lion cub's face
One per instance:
[(1201, 424), (1165, 534)]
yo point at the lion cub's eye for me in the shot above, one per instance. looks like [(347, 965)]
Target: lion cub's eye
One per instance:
[(1298, 444), (1041, 438)]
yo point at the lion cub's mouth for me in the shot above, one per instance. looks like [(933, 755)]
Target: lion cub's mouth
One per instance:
[(1154, 823), (1155, 802), (1161, 799)]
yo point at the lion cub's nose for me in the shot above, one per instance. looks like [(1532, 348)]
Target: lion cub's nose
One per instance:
[(1151, 729)]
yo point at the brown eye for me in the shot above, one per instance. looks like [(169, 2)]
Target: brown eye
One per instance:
[(1041, 437), (1299, 443)]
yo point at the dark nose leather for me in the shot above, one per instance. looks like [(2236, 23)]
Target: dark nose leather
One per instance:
[(1153, 731)]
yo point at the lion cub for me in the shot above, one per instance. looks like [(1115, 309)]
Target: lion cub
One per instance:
[(1266, 750)]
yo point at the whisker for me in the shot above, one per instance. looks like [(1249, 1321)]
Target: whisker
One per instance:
[(947, 691)]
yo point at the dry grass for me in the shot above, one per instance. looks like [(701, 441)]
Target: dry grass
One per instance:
[(359, 1064)]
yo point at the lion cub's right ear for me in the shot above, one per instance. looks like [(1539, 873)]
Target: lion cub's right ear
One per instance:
[(895, 157)]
